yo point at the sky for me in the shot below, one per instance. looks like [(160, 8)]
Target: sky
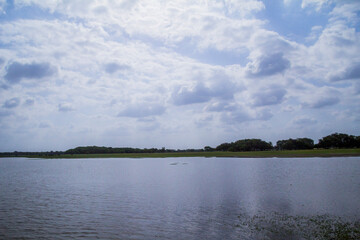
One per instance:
[(176, 74)]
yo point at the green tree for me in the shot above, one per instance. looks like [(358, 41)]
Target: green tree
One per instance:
[(338, 140), (245, 145), (208, 149), (295, 144)]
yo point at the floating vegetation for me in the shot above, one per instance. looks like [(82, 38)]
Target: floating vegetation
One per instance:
[(176, 163), (281, 226)]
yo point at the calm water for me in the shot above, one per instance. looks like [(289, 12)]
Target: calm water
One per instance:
[(176, 198)]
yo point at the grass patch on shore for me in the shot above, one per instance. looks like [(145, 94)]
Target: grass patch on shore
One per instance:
[(254, 154)]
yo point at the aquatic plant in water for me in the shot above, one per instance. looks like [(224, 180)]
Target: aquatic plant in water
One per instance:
[(281, 226)]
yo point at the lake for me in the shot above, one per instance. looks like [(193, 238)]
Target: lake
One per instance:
[(180, 198)]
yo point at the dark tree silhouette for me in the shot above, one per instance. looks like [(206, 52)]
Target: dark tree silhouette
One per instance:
[(339, 140), (295, 144), (245, 145)]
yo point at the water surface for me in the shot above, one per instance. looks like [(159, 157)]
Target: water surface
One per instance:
[(178, 198)]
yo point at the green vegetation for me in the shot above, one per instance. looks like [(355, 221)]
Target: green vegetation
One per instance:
[(281, 226), (253, 154), (339, 140), (337, 144), (295, 144), (99, 150), (245, 145), (335, 140)]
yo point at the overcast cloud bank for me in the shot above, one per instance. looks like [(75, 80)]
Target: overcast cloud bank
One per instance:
[(176, 74)]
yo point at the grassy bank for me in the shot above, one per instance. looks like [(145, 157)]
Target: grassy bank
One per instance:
[(255, 154)]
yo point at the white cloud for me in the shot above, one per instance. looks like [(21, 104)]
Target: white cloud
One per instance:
[(236, 117), (217, 85), (318, 4), (243, 7), (202, 23), (108, 62), (304, 121), (315, 32), (115, 67), (29, 102), (2, 6), (271, 96), (142, 110), (333, 54), (65, 107), (220, 106), (350, 72), (322, 97), (346, 11), (287, 2), (11, 103), (44, 125), (267, 65)]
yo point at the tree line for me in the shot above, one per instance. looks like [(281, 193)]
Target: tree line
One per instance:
[(94, 150), (335, 140)]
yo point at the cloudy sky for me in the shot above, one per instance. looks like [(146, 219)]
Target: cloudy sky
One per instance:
[(176, 74)]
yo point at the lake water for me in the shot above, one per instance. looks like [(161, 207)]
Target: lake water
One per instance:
[(179, 198)]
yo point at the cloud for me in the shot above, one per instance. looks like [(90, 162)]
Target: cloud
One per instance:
[(4, 86), (320, 97), (218, 85), (16, 71), (201, 93), (29, 102), (149, 126), (4, 113), (265, 115), (267, 65), (348, 11), (223, 86), (168, 22), (316, 3), (322, 102), (238, 116), (44, 125), (11, 103), (161, 47), (269, 97), (333, 56), (114, 67), (314, 34), (241, 114), (65, 107), (220, 107), (243, 7), (128, 4), (304, 121), (287, 2), (142, 110), (3, 4), (184, 96), (357, 88), (352, 72)]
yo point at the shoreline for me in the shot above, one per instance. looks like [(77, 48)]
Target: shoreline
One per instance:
[(355, 152)]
